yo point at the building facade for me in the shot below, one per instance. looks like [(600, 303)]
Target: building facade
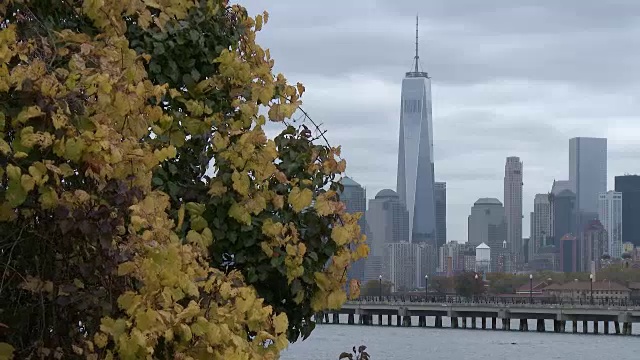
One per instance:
[(569, 254), (593, 246), (426, 262), (610, 215), (540, 223), (629, 186), (441, 214), (399, 265), (388, 222), (588, 171), (563, 205), (487, 224), (513, 205), (416, 180)]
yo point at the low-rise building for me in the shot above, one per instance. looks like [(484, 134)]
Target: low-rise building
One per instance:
[(582, 291)]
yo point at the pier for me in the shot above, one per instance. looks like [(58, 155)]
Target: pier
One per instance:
[(490, 314)]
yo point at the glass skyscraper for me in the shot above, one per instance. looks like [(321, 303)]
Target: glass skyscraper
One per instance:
[(416, 179)]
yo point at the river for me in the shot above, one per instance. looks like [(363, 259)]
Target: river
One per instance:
[(388, 343)]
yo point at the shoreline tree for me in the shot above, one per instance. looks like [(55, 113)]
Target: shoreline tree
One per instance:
[(144, 213)]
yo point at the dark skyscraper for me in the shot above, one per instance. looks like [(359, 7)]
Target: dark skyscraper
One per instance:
[(629, 186), (441, 214), (416, 179), (568, 253), (564, 215)]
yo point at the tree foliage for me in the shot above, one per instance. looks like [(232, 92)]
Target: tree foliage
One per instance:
[(372, 288), (144, 213), (467, 285)]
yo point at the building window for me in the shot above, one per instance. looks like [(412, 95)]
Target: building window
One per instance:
[(412, 106)]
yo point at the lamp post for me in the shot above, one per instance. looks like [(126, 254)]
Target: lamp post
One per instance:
[(426, 286), (530, 288), (380, 279), (591, 283), (474, 287)]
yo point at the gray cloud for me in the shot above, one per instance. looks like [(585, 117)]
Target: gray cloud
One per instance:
[(510, 77)]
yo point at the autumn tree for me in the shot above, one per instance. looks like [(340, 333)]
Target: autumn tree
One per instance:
[(144, 213)]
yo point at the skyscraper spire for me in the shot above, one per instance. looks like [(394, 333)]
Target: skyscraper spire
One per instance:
[(417, 57), (415, 70)]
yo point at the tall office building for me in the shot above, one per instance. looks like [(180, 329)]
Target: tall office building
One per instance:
[(388, 222), (354, 196), (441, 214), (587, 171), (610, 215), (540, 223), (415, 154), (557, 187), (513, 204), (592, 246), (487, 224), (400, 265), (568, 254), (563, 205), (629, 186), (426, 262)]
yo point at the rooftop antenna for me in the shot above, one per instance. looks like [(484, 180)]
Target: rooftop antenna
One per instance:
[(417, 57)]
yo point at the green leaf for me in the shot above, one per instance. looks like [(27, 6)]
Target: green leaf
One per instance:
[(158, 48)]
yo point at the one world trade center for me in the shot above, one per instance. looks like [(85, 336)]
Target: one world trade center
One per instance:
[(415, 154)]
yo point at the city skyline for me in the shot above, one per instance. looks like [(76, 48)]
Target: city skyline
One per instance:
[(492, 97)]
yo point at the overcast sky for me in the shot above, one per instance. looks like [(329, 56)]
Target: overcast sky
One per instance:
[(509, 78)]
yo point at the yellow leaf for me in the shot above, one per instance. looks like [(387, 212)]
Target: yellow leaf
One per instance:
[(300, 88), (258, 22), (129, 301), (6, 351), (13, 172), (240, 214), (186, 332), (217, 188), (362, 251), (300, 199), (193, 237), (195, 208), (180, 216), (323, 205), (280, 323), (27, 182), (278, 201), (241, 183), (100, 339), (207, 237), (74, 148), (271, 228), (126, 268), (5, 149), (48, 198), (266, 248), (198, 223), (340, 235), (322, 280), (28, 113), (291, 250), (335, 299)]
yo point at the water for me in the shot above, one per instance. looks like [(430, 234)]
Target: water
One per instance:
[(389, 343)]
